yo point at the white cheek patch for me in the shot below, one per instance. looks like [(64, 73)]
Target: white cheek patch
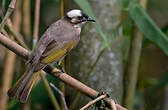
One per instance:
[(74, 13), (73, 20)]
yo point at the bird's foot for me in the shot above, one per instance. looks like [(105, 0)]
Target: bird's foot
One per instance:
[(101, 104), (61, 68)]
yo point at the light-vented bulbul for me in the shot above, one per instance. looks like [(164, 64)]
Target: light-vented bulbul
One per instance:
[(55, 44)]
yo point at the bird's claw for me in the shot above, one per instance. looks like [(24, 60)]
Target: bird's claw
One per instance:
[(61, 68), (101, 104)]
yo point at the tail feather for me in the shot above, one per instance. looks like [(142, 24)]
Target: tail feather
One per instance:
[(12, 92), (23, 96), (23, 86)]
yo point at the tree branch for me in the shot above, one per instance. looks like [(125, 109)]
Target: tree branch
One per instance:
[(54, 71), (11, 45)]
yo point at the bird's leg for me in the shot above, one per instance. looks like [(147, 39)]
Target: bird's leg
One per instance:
[(59, 66), (101, 104)]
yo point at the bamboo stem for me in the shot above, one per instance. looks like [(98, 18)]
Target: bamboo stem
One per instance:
[(133, 64)]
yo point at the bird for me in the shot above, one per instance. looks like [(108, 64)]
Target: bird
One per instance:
[(56, 42)]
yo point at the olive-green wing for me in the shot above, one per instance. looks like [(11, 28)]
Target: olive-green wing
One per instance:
[(54, 52)]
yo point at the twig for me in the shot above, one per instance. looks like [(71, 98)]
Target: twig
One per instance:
[(53, 71), (62, 95), (113, 105), (8, 13), (50, 93), (94, 101)]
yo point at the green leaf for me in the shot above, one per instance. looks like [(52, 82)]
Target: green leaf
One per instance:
[(148, 27), (85, 6)]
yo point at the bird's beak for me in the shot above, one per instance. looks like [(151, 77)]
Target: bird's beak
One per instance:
[(91, 19)]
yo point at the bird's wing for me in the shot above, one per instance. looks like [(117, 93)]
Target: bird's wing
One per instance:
[(54, 52), (42, 44)]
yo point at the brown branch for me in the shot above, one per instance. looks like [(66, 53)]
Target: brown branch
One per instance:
[(113, 105), (8, 13), (54, 71), (14, 46), (94, 101), (62, 95)]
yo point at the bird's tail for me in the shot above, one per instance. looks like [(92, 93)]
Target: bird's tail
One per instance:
[(23, 86)]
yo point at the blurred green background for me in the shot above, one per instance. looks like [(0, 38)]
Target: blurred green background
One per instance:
[(124, 53)]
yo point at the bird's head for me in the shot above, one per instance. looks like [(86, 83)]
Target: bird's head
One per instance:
[(78, 18)]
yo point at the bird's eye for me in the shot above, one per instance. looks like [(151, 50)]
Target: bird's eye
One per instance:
[(80, 17)]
